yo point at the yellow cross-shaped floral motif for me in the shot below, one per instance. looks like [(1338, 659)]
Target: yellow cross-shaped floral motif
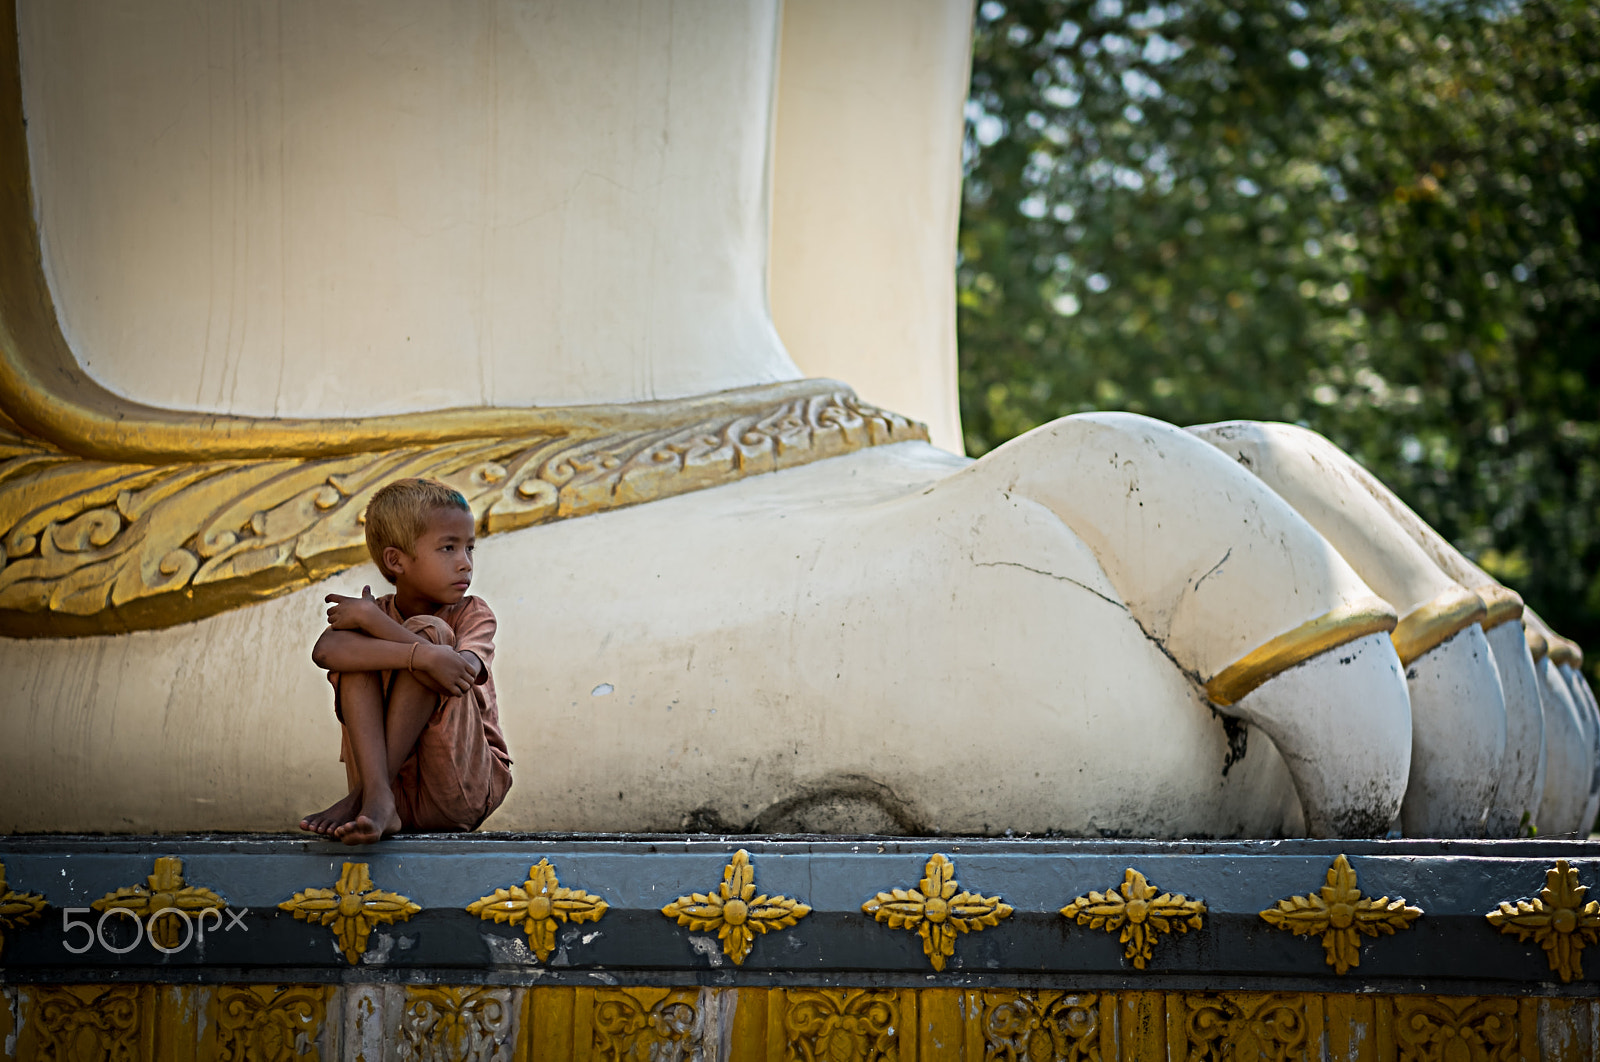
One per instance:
[(352, 908), (937, 910), (735, 911), (539, 903), (17, 909), (1340, 913), (1558, 920), (1134, 908), (163, 890)]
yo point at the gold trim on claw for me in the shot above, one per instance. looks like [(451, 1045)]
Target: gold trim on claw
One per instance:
[(1432, 624), (1344, 624), (1538, 645), (1502, 603), (1565, 652)]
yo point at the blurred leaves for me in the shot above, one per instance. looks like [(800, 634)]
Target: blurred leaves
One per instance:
[(1377, 219)]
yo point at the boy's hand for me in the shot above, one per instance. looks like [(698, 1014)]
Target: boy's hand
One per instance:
[(447, 669), (353, 613)]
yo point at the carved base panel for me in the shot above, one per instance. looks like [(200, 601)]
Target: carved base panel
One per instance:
[(482, 1023)]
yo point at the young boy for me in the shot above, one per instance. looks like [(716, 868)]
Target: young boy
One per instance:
[(421, 742)]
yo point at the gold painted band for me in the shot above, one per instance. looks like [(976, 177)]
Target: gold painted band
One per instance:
[(1432, 624), (1565, 652), (1538, 646), (1503, 604), (1344, 624)]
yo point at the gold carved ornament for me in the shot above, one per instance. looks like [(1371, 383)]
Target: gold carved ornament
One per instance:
[(1140, 910), (1558, 920), (1050, 1024), (256, 1023), (735, 911), (461, 1024), (17, 909), (117, 516), (844, 1024), (647, 1023), (164, 890), (352, 907), (1240, 1025), (538, 904), (1341, 915), (88, 1021), (937, 910)]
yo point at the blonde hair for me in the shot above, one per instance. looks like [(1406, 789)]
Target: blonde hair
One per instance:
[(398, 515)]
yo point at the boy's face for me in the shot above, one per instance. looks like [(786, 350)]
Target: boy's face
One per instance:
[(438, 569)]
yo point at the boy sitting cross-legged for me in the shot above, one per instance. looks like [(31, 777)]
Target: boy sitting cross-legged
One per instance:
[(421, 743)]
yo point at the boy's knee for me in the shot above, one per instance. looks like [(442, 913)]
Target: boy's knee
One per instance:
[(432, 628)]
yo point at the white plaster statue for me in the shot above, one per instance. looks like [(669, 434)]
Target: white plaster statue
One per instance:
[(250, 212)]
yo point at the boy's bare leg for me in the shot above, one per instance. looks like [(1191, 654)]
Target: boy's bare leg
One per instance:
[(381, 738), (359, 687), (343, 810)]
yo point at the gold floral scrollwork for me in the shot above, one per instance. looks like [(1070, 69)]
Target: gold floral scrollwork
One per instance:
[(1448, 1027), (537, 905), (459, 1024), (647, 1023), (1341, 914), (841, 1025), (266, 1023), (1558, 920), (164, 890), (937, 910), (17, 909), (1136, 908), (352, 908), (735, 911), (1034, 1026), (1246, 1025), (87, 1021), (101, 547)]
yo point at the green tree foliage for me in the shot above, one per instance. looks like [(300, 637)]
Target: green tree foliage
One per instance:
[(1376, 218)]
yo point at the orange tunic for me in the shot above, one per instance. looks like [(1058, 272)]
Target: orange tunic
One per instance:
[(460, 770)]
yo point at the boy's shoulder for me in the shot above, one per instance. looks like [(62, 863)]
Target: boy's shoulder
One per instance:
[(468, 609)]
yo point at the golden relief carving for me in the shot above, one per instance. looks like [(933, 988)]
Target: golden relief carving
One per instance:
[(538, 904), (1558, 920), (456, 1024), (352, 907), (91, 1021), (270, 1023), (164, 890), (17, 909), (647, 1023), (1341, 914), (735, 911), (91, 547), (1045, 1026), (841, 1025), (1136, 908), (937, 910), (1447, 1027), (1247, 1025)]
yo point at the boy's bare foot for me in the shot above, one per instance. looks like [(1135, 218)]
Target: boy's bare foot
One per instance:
[(378, 820), (335, 815)]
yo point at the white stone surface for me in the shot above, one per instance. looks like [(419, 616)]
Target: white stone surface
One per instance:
[(1521, 776), (1458, 738), (866, 197), (380, 206), (1569, 754)]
